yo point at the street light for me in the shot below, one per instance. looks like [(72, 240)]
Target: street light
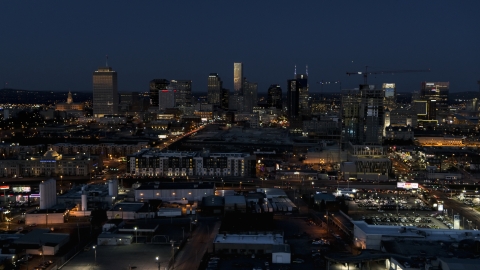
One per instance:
[(136, 238), (95, 249), (158, 262), (173, 254), (240, 184)]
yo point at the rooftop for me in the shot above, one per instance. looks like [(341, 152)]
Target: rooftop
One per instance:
[(188, 185), (272, 239)]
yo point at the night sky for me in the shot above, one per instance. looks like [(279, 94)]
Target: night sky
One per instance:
[(57, 45)]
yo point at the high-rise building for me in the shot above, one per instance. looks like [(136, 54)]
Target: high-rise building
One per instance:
[(293, 99), (249, 96), (166, 98), (183, 92), (238, 78), (105, 92), (390, 95), (156, 86), (303, 96), (214, 89), (274, 98), (436, 92), (362, 115), (225, 99)]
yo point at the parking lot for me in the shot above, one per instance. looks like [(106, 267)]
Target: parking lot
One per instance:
[(396, 209)]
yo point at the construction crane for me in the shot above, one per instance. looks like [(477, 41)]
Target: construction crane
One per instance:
[(366, 72)]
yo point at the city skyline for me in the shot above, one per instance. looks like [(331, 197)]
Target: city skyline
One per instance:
[(47, 47)]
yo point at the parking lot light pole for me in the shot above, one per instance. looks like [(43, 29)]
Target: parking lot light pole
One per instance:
[(158, 262), (136, 238)]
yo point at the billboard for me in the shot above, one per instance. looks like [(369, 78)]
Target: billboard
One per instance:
[(407, 185), (21, 189)]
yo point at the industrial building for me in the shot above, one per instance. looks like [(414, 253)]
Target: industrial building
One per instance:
[(42, 242), (81, 199), (190, 191), (130, 211)]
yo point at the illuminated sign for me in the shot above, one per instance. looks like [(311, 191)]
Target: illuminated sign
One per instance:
[(21, 189), (34, 195), (440, 207), (4, 187), (407, 185)]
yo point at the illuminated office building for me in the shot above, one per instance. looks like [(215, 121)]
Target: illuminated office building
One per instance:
[(238, 78), (156, 86), (436, 93), (183, 92), (303, 96), (214, 89), (166, 98), (390, 95), (274, 98), (249, 96), (105, 92)]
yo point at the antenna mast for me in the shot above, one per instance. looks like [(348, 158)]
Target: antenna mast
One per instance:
[(106, 61)]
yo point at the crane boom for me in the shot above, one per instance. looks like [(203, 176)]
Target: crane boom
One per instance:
[(366, 72)]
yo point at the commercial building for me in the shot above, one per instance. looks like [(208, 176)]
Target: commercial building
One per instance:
[(238, 78), (214, 89), (437, 94), (156, 86), (183, 92), (101, 149), (390, 95), (166, 98), (293, 88), (105, 92), (250, 96), (274, 98), (303, 95), (362, 115), (150, 162), (49, 164)]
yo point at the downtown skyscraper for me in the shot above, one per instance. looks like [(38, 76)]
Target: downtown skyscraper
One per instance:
[(105, 92), (249, 96), (183, 92), (214, 89), (238, 78), (236, 100), (156, 86), (274, 98)]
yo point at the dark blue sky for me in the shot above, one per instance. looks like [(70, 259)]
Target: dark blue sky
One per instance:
[(57, 46)]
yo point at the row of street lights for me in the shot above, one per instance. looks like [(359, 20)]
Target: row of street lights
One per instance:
[(157, 259)]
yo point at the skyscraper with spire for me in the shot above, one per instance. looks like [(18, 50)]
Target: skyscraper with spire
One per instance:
[(105, 92)]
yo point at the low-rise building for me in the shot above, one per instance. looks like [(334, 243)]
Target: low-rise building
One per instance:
[(190, 191)]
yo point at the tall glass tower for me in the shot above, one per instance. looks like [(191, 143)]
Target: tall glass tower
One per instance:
[(105, 92), (238, 78)]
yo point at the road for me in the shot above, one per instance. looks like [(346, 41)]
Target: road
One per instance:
[(201, 241), (452, 207)]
